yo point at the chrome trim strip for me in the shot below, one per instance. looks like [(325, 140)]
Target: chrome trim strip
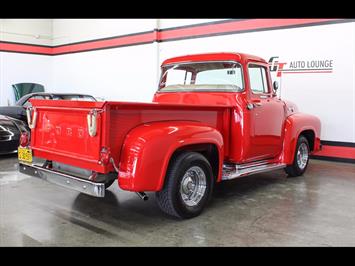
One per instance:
[(31, 121), (92, 122), (202, 62), (68, 181), (203, 90), (268, 77), (235, 171)]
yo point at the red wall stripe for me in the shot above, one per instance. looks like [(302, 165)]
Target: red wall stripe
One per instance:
[(25, 48), (101, 44), (182, 33), (337, 151), (163, 35), (231, 26), (306, 72)]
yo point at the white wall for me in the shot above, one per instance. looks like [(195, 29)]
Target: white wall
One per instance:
[(125, 73), (171, 23), (76, 30), (130, 73), (329, 96), (17, 67), (32, 31), (122, 74)]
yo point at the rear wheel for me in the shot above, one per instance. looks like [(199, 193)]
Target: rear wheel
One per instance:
[(187, 187), (108, 179), (109, 183), (301, 158)]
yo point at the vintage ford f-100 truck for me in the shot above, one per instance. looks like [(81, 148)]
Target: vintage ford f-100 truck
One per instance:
[(214, 117)]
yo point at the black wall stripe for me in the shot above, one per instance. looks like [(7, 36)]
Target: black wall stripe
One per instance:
[(176, 39), (104, 39), (338, 143), (333, 159)]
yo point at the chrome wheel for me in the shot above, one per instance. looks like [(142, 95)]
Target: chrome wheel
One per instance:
[(193, 186), (302, 156)]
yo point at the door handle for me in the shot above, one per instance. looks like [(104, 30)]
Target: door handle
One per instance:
[(264, 96), (251, 106), (256, 102)]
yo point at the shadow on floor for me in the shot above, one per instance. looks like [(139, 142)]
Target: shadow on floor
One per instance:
[(131, 209), (8, 156), (246, 185)]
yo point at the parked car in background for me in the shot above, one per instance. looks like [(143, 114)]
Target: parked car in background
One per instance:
[(10, 132), (24, 88), (18, 111)]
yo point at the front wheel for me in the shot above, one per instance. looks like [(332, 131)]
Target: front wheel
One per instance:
[(301, 158), (187, 187)]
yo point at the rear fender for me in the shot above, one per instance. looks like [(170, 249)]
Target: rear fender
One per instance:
[(148, 148), (294, 126)]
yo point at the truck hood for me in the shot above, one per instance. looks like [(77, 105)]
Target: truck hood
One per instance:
[(291, 108)]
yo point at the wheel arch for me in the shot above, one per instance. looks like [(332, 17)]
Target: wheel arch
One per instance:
[(296, 125), (208, 150), (148, 150), (310, 135)]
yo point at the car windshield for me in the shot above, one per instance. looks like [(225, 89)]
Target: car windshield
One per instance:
[(202, 76), (27, 103), (74, 97)]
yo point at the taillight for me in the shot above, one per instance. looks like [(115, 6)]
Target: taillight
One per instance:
[(105, 156), (24, 139)]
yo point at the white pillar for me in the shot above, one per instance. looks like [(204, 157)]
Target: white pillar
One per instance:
[(157, 52)]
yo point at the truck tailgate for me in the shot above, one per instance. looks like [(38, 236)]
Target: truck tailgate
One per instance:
[(61, 132)]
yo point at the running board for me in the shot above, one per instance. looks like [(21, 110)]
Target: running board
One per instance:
[(231, 171)]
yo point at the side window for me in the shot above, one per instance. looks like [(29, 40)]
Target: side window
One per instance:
[(258, 79)]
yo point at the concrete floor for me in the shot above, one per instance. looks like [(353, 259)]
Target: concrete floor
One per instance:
[(317, 209)]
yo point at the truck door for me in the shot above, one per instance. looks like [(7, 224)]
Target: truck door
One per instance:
[(266, 115)]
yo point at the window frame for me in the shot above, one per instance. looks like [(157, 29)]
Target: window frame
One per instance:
[(202, 62), (269, 91)]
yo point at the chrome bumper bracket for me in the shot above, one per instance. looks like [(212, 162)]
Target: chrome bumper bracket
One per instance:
[(79, 184)]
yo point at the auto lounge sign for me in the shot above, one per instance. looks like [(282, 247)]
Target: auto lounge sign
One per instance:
[(300, 67)]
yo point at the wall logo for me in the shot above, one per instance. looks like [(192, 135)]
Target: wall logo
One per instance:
[(300, 67)]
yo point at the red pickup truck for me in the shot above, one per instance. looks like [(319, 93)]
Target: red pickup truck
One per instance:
[(214, 117)]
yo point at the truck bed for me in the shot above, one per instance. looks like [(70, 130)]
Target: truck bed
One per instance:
[(61, 132)]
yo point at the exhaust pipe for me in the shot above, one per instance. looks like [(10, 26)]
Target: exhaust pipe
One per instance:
[(142, 195)]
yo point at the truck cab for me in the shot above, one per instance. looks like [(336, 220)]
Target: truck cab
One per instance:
[(230, 79), (214, 117)]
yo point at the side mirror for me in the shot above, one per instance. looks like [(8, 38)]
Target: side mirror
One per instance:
[(275, 86)]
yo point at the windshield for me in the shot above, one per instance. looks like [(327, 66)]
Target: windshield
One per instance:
[(74, 97), (204, 76)]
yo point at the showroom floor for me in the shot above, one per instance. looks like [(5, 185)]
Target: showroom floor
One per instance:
[(268, 209)]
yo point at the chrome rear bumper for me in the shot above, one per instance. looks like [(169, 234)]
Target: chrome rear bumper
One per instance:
[(64, 180)]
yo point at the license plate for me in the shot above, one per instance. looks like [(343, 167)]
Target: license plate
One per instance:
[(24, 154)]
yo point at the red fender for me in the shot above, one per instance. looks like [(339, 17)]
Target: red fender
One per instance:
[(294, 125), (147, 150)]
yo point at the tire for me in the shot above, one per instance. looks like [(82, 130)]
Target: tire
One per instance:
[(108, 179), (109, 183), (188, 186), (298, 167)]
